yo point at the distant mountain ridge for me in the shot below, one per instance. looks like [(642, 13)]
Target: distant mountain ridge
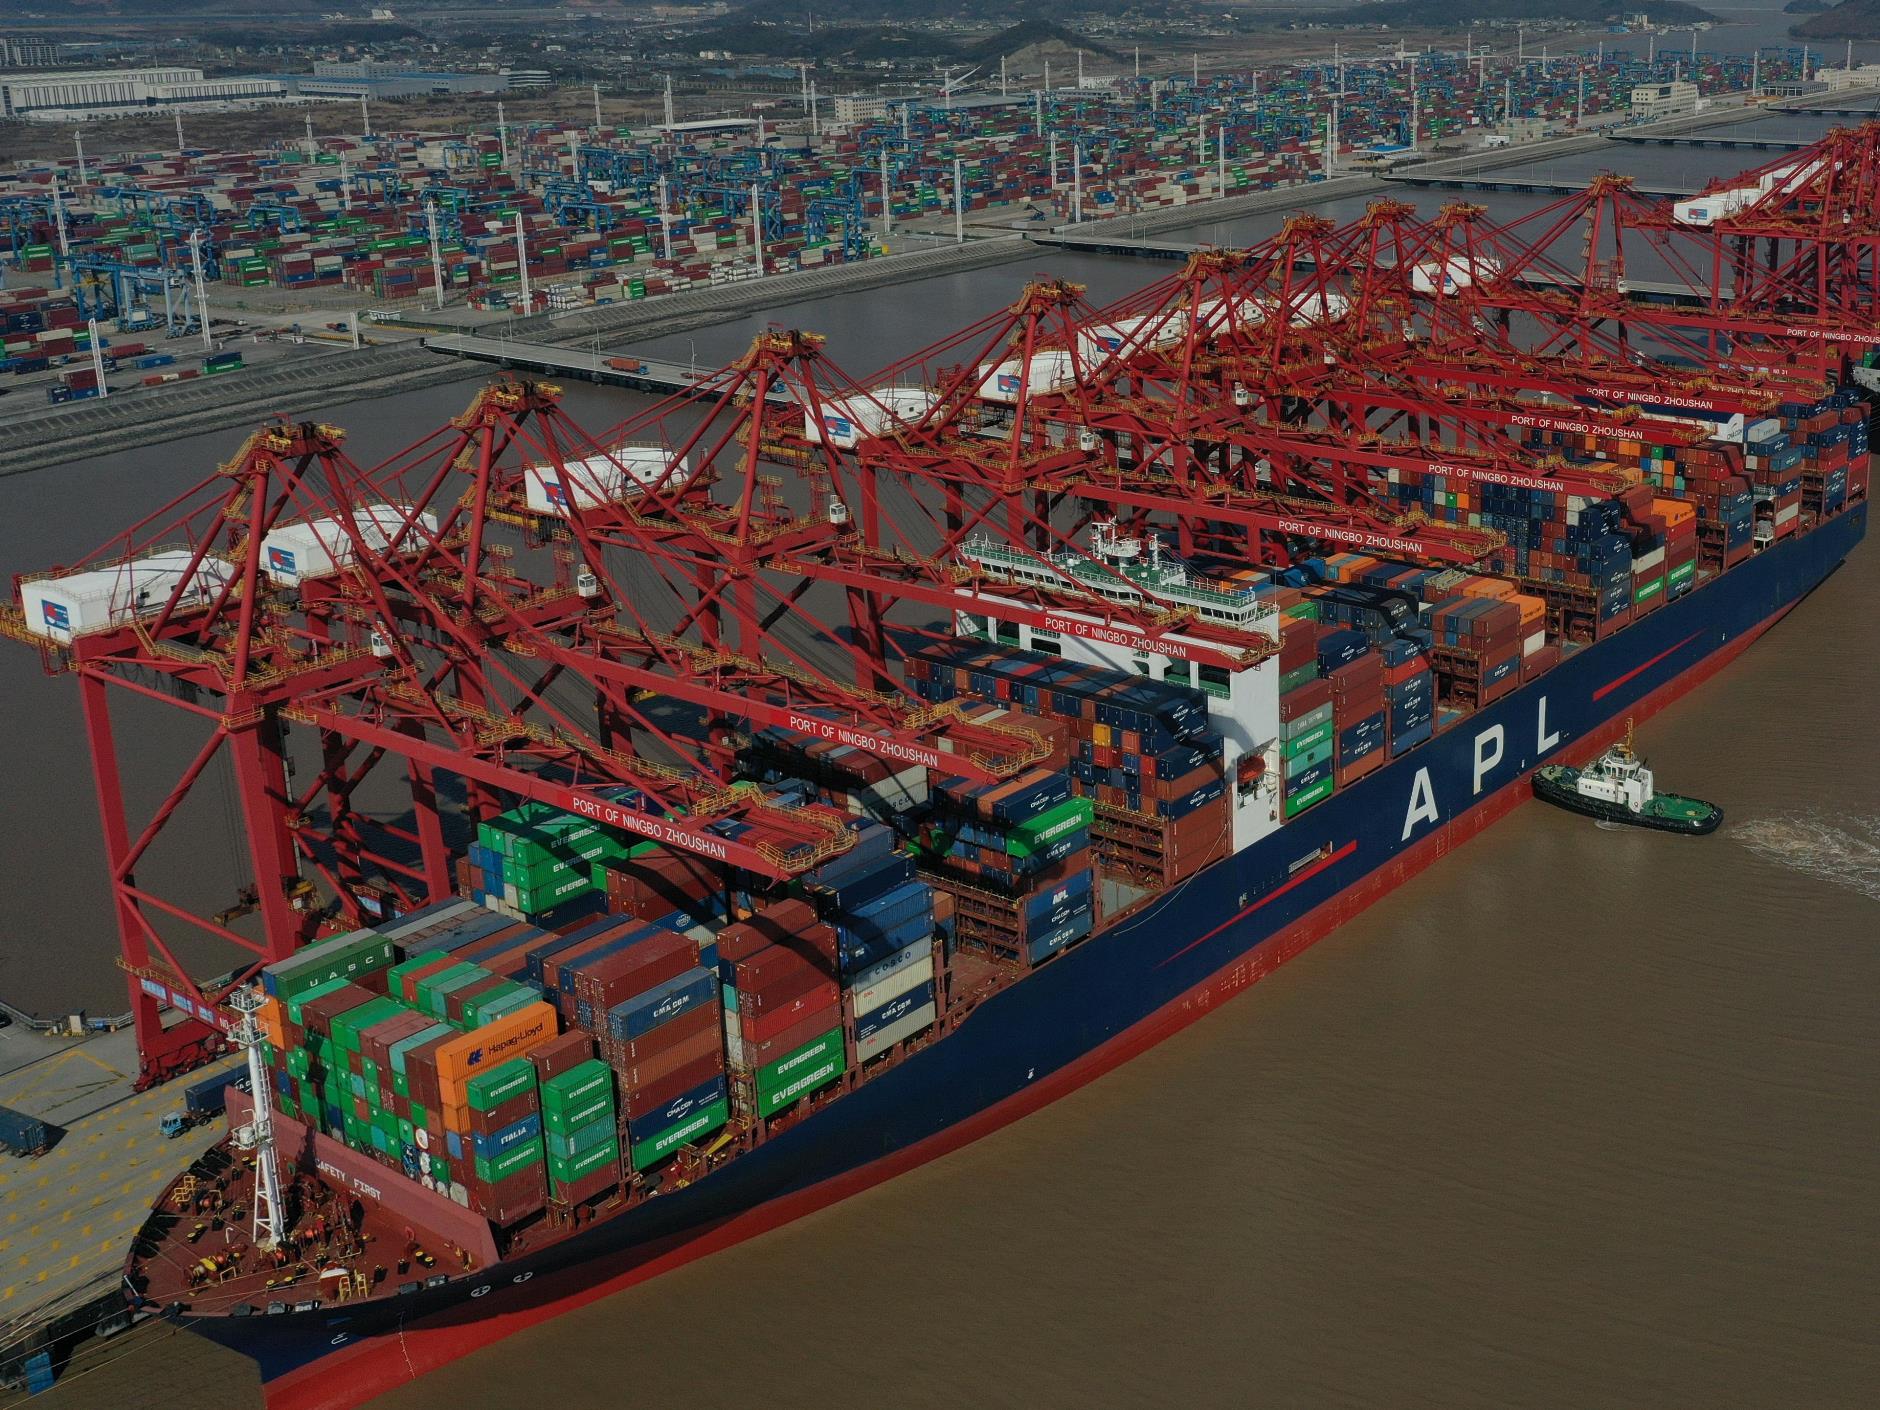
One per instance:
[(1448, 14), (1853, 19)]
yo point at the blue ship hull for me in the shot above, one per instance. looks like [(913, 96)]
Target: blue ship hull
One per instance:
[(1094, 1005)]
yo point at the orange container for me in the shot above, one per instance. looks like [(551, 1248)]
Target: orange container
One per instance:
[(1673, 511), (482, 1048), (1477, 586), (1532, 608), (273, 1024)]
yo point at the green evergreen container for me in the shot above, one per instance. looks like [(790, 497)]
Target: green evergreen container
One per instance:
[(655, 1148)]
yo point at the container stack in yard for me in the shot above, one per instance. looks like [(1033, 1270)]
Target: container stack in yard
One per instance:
[(279, 218)]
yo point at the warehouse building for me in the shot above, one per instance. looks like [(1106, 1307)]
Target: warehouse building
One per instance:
[(28, 53), (117, 91), (1662, 100)]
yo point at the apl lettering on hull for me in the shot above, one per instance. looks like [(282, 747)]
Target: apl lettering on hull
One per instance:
[(1491, 749)]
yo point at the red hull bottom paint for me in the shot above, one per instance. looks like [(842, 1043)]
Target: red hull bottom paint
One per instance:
[(354, 1375)]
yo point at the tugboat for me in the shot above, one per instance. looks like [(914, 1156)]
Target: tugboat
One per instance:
[(1617, 787)]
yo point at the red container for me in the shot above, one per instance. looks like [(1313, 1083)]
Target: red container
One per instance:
[(589, 1187), (517, 1108), (772, 974), (512, 1200), (806, 1028), (1304, 700), (644, 1100), (617, 978), (560, 1054), (671, 1034), (780, 1014), (635, 1076)]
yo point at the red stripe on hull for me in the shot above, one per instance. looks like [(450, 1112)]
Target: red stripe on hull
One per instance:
[(1639, 670), (1320, 865), (353, 1375)]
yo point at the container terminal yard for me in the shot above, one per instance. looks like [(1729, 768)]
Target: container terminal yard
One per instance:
[(554, 488), (299, 252)]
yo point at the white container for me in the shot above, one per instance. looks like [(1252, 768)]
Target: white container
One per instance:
[(884, 1038), (1718, 205), (916, 972), (1099, 342), (62, 608), (1215, 316), (313, 548), (601, 479), (1051, 370), (1456, 272), (846, 421)]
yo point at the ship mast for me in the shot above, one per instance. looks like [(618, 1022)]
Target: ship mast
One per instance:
[(258, 1137)]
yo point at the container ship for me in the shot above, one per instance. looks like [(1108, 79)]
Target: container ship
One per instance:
[(1173, 634)]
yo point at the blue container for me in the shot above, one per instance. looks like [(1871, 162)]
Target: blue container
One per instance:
[(863, 880), (676, 1110), (1367, 731), (1065, 896), (497, 1142), (1403, 742), (640, 933), (867, 1024), (1340, 648), (38, 1368), (1192, 801), (1074, 927), (662, 1003), (591, 931), (1408, 716), (1308, 779)]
